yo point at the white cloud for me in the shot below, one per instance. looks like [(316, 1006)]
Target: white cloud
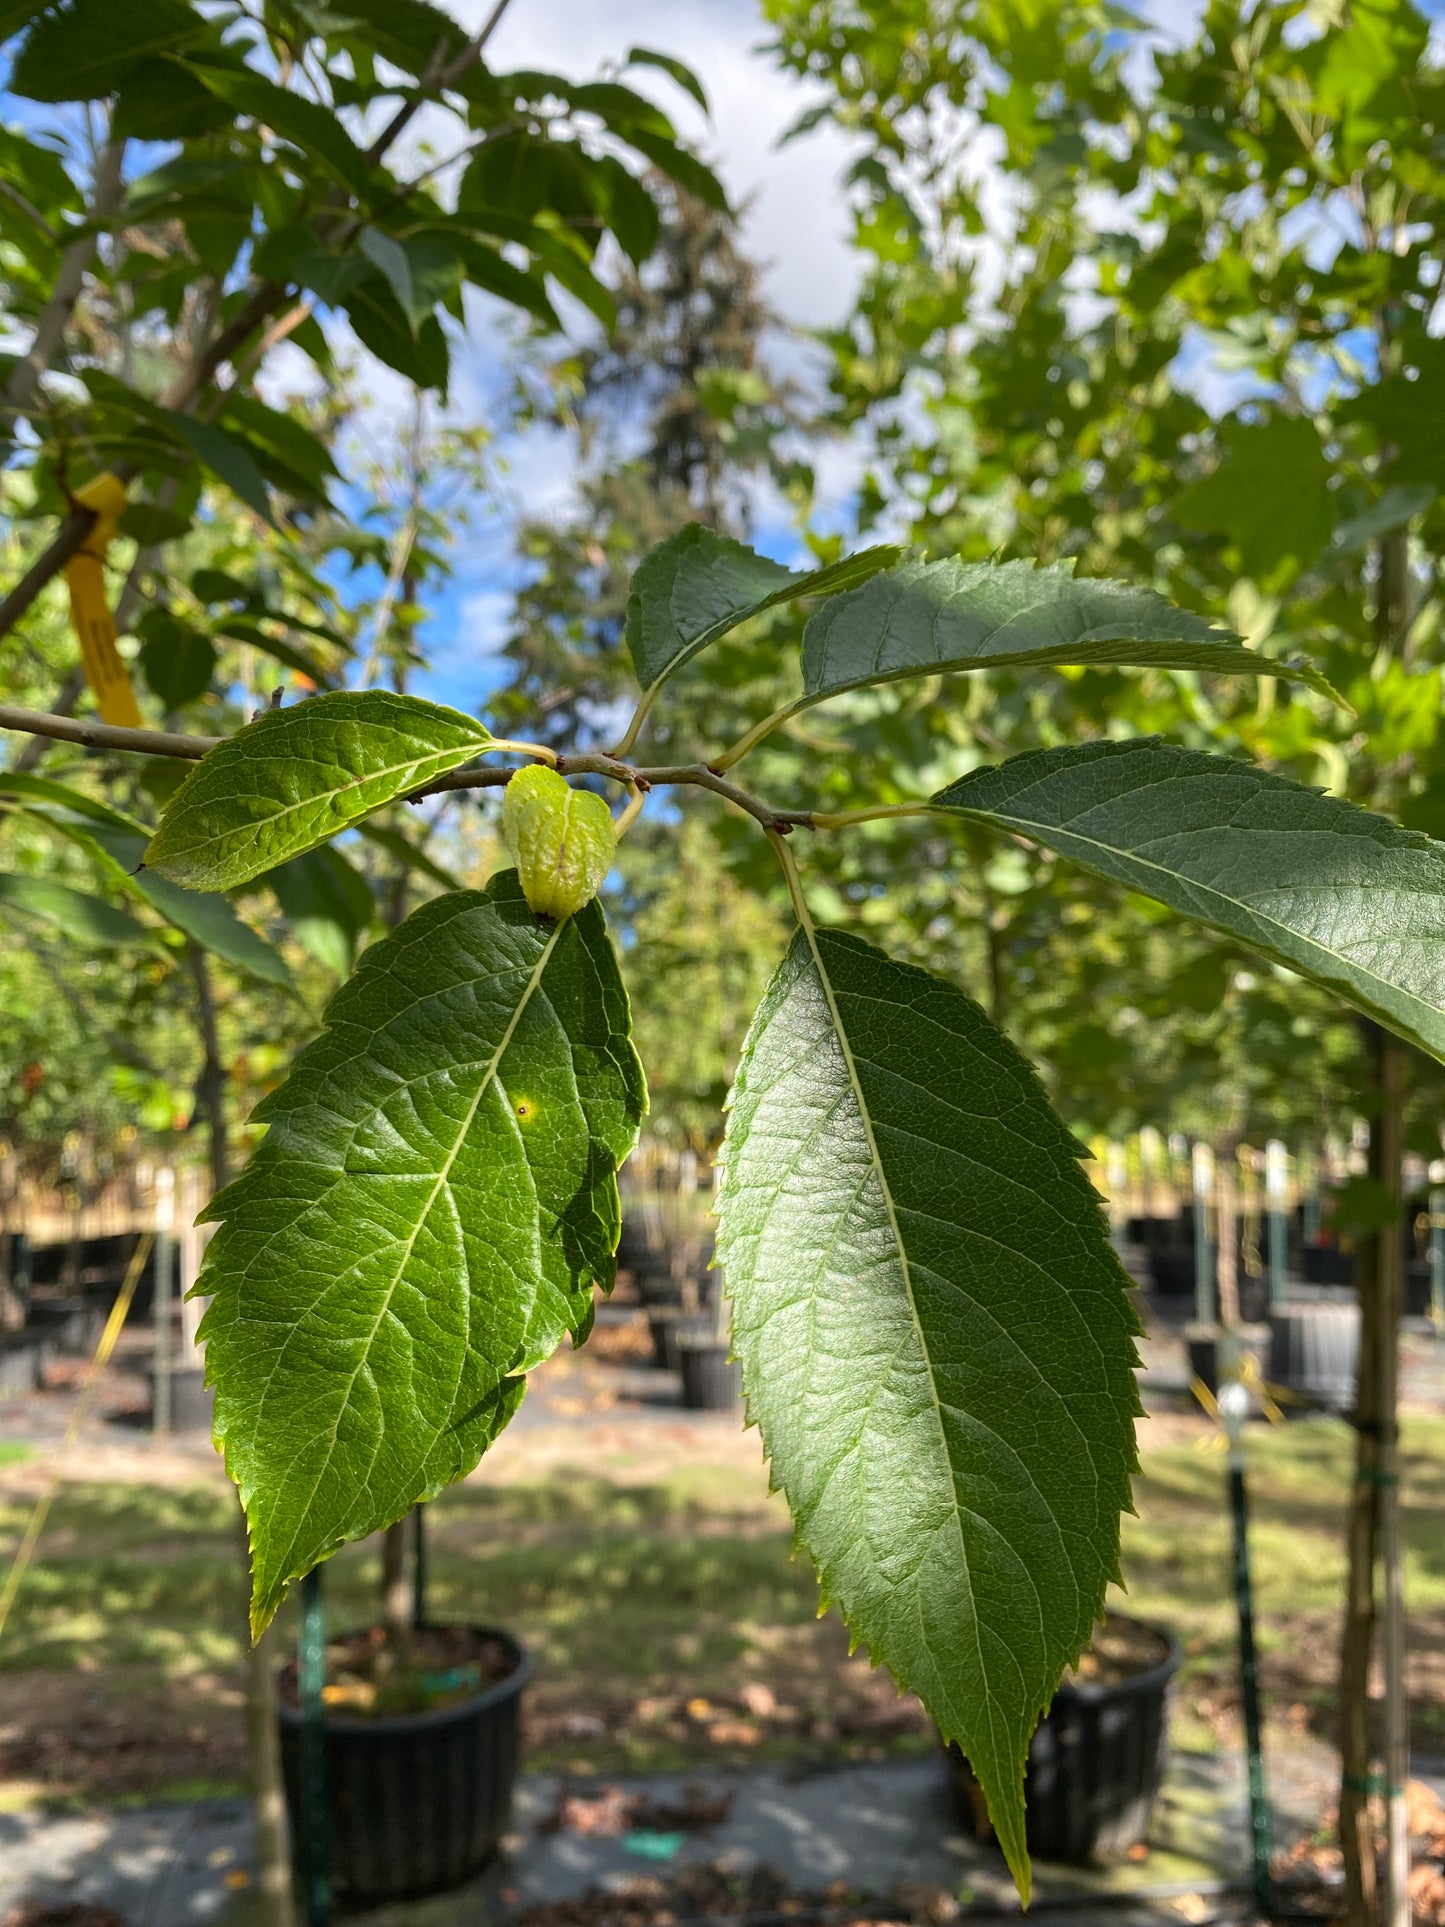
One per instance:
[(795, 221), (483, 622)]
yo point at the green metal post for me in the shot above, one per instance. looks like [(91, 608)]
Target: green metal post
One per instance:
[(1233, 1409), (315, 1813)]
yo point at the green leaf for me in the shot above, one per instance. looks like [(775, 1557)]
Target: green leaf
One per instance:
[(1271, 496), (562, 840), (278, 437), (423, 1222), (45, 789), (327, 903), (932, 616), (207, 920), (178, 661), (273, 646), (420, 273), (164, 101), (935, 1340), (118, 846), (410, 33), (1396, 508), (382, 326), (667, 64), (83, 50), (1339, 895), (148, 524), (85, 918), (304, 123), (228, 459), (696, 586), (678, 164), (296, 777), (1407, 412)]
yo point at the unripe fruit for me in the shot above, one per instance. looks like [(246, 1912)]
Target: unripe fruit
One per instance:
[(562, 840)]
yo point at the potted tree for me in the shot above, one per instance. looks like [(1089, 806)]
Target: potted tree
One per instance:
[(420, 1733), (1097, 1758)]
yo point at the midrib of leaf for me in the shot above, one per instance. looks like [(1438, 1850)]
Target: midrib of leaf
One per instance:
[(809, 930), (995, 817), (356, 783), (533, 982)]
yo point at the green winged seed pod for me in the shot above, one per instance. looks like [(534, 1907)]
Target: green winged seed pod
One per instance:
[(562, 840)]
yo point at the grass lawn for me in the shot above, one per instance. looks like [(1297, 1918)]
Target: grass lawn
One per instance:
[(671, 1624)]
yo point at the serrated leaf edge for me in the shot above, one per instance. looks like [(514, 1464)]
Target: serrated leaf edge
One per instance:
[(263, 1611)]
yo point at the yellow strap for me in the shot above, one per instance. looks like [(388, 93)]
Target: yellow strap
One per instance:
[(107, 496), (104, 667), (82, 1407)]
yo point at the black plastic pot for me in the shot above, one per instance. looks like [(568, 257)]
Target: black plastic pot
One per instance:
[(711, 1381), (655, 1282), (1171, 1270), (23, 1358), (71, 1325), (670, 1329), (1328, 1265), (1314, 1354), (417, 1803), (1153, 1233), (1095, 1766)]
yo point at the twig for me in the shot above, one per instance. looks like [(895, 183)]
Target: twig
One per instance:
[(159, 742), (183, 392), (91, 735)]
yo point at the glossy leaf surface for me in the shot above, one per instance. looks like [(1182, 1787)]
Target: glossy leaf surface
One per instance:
[(422, 1223), (296, 777), (935, 1339), (696, 586)]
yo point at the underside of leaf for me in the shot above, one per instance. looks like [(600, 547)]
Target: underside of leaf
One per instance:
[(424, 1221), (1341, 895), (935, 1340)]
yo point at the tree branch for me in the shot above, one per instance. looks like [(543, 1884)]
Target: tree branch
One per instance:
[(144, 742), (184, 391), (159, 742), (24, 383)]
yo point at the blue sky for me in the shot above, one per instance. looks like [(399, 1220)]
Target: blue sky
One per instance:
[(794, 224)]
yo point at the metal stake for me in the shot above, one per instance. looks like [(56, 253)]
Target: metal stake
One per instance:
[(1233, 1409), (315, 1812)]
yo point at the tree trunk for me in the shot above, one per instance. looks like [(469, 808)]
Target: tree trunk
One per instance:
[(397, 1596), (1380, 1286), (263, 1752), (263, 1746)]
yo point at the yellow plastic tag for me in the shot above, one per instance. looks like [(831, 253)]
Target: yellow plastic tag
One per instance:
[(105, 670)]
